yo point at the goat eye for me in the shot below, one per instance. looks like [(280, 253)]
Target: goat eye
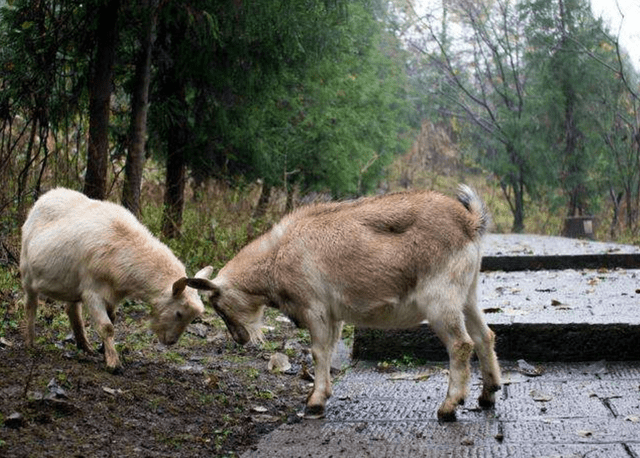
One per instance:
[(179, 315)]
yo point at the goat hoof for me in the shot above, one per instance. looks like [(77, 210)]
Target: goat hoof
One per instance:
[(486, 402), (87, 350), (446, 417), (118, 370), (314, 412)]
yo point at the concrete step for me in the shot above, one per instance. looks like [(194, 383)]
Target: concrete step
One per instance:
[(586, 309), (516, 252)]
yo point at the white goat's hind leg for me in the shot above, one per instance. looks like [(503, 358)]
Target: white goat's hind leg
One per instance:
[(31, 309), (484, 341), (460, 347), (325, 333), (74, 311), (98, 311)]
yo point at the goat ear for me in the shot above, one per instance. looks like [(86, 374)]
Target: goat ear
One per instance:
[(179, 286), (204, 273), (196, 283), (203, 284)]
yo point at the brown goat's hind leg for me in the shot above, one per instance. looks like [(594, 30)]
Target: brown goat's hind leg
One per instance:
[(460, 347), (484, 342)]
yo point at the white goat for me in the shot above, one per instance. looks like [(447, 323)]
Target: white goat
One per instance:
[(76, 249), (384, 262)]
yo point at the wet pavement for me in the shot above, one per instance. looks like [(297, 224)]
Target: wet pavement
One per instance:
[(551, 404)]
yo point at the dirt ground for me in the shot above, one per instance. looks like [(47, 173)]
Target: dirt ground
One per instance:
[(205, 396)]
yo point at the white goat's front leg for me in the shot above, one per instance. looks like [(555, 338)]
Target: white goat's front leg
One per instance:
[(325, 333), (74, 311), (31, 309), (98, 311), (460, 347)]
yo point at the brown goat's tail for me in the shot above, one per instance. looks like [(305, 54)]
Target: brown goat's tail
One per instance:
[(475, 205)]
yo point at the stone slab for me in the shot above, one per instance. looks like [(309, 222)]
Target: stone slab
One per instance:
[(567, 315), (544, 245), (388, 414)]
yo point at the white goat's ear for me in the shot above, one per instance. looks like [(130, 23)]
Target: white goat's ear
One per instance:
[(179, 286), (204, 273)]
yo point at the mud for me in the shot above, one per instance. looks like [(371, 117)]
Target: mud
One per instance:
[(203, 397)]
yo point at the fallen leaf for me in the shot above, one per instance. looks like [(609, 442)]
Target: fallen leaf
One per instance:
[(264, 418), (511, 377), (632, 418), (539, 396), (596, 368), (259, 409), (111, 391), (529, 369), (55, 390), (419, 376), (583, 433), (279, 362), (5, 343), (492, 310), (212, 381), (14, 421), (467, 441)]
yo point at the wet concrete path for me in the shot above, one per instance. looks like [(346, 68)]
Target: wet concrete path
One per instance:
[(551, 404), (569, 410)]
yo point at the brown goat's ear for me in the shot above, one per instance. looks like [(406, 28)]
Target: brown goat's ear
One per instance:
[(179, 286), (203, 284)]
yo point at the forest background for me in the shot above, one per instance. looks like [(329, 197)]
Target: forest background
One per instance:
[(210, 119)]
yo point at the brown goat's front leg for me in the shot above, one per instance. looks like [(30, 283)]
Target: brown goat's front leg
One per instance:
[(325, 333)]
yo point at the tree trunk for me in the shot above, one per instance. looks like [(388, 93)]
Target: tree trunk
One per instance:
[(175, 172), (518, 214), (263, 202), (139, 108), (574, 173), (174, 188), (95, 182)]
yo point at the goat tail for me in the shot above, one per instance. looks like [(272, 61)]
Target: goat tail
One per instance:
[(472, 202)]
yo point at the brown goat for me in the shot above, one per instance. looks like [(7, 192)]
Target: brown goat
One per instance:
[(387, 262)]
